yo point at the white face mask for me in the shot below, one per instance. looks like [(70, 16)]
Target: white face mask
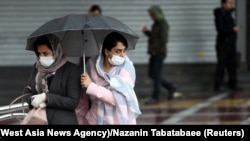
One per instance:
[(116, 60), (46, 61)]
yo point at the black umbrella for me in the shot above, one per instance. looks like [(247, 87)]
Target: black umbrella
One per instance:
[(83, 34)]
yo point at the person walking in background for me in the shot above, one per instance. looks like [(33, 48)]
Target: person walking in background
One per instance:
[(109, 83), (157, 49), (225, 46), (54, 82), (95, 9)]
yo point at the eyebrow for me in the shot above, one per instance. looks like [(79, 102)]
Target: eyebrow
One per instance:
[(120, 49), (44, 52)]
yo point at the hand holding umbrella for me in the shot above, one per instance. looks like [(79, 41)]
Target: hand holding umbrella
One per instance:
[(85, 80)]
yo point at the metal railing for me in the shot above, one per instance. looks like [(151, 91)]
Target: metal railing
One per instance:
[(11, 114)]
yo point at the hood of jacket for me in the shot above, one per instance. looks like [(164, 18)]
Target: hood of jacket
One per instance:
[(156, 12)]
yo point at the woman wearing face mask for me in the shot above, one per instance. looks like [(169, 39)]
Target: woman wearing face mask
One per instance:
[(109, 83), (54, 82)]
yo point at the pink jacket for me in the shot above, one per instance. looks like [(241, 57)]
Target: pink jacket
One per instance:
[(98, 92)]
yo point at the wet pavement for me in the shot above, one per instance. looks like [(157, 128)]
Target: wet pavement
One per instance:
[(198, 104), (231, 108)]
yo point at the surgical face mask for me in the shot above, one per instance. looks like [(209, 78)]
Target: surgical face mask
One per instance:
[(116, 60), (46, 61)]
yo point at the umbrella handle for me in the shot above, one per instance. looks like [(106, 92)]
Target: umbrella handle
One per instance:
[(83, 62)]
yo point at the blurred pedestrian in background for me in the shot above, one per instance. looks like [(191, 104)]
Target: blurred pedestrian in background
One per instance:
[(157, 49), (109, 83), (95, 9), (225, 46), (54, 82)]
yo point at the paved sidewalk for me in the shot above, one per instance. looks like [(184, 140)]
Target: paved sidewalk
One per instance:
[(198, 105)]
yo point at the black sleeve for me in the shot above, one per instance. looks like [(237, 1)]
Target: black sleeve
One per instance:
[(220, 22)]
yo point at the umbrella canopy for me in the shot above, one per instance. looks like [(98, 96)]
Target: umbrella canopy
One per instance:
[(83, 34)]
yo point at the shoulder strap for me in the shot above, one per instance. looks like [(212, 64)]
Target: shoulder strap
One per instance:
[(16, 99)]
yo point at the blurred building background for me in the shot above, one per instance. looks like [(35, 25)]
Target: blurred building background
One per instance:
[(191, 48)]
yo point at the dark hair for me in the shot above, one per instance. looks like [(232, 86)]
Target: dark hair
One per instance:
[(111, 40), (42, 40), (95, 7), (223, 1)]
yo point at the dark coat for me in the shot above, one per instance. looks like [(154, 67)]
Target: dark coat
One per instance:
[(158, 36), (224, 23), (64, 94)]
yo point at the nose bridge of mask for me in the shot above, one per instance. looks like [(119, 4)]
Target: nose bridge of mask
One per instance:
[(116, 60), (46, 57), (117, 57), (46, 60)]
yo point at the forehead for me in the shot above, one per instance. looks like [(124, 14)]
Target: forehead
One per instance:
[(42, 48), (119, 45)]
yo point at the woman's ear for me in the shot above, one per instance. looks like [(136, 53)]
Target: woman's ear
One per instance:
[(106, 52)]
